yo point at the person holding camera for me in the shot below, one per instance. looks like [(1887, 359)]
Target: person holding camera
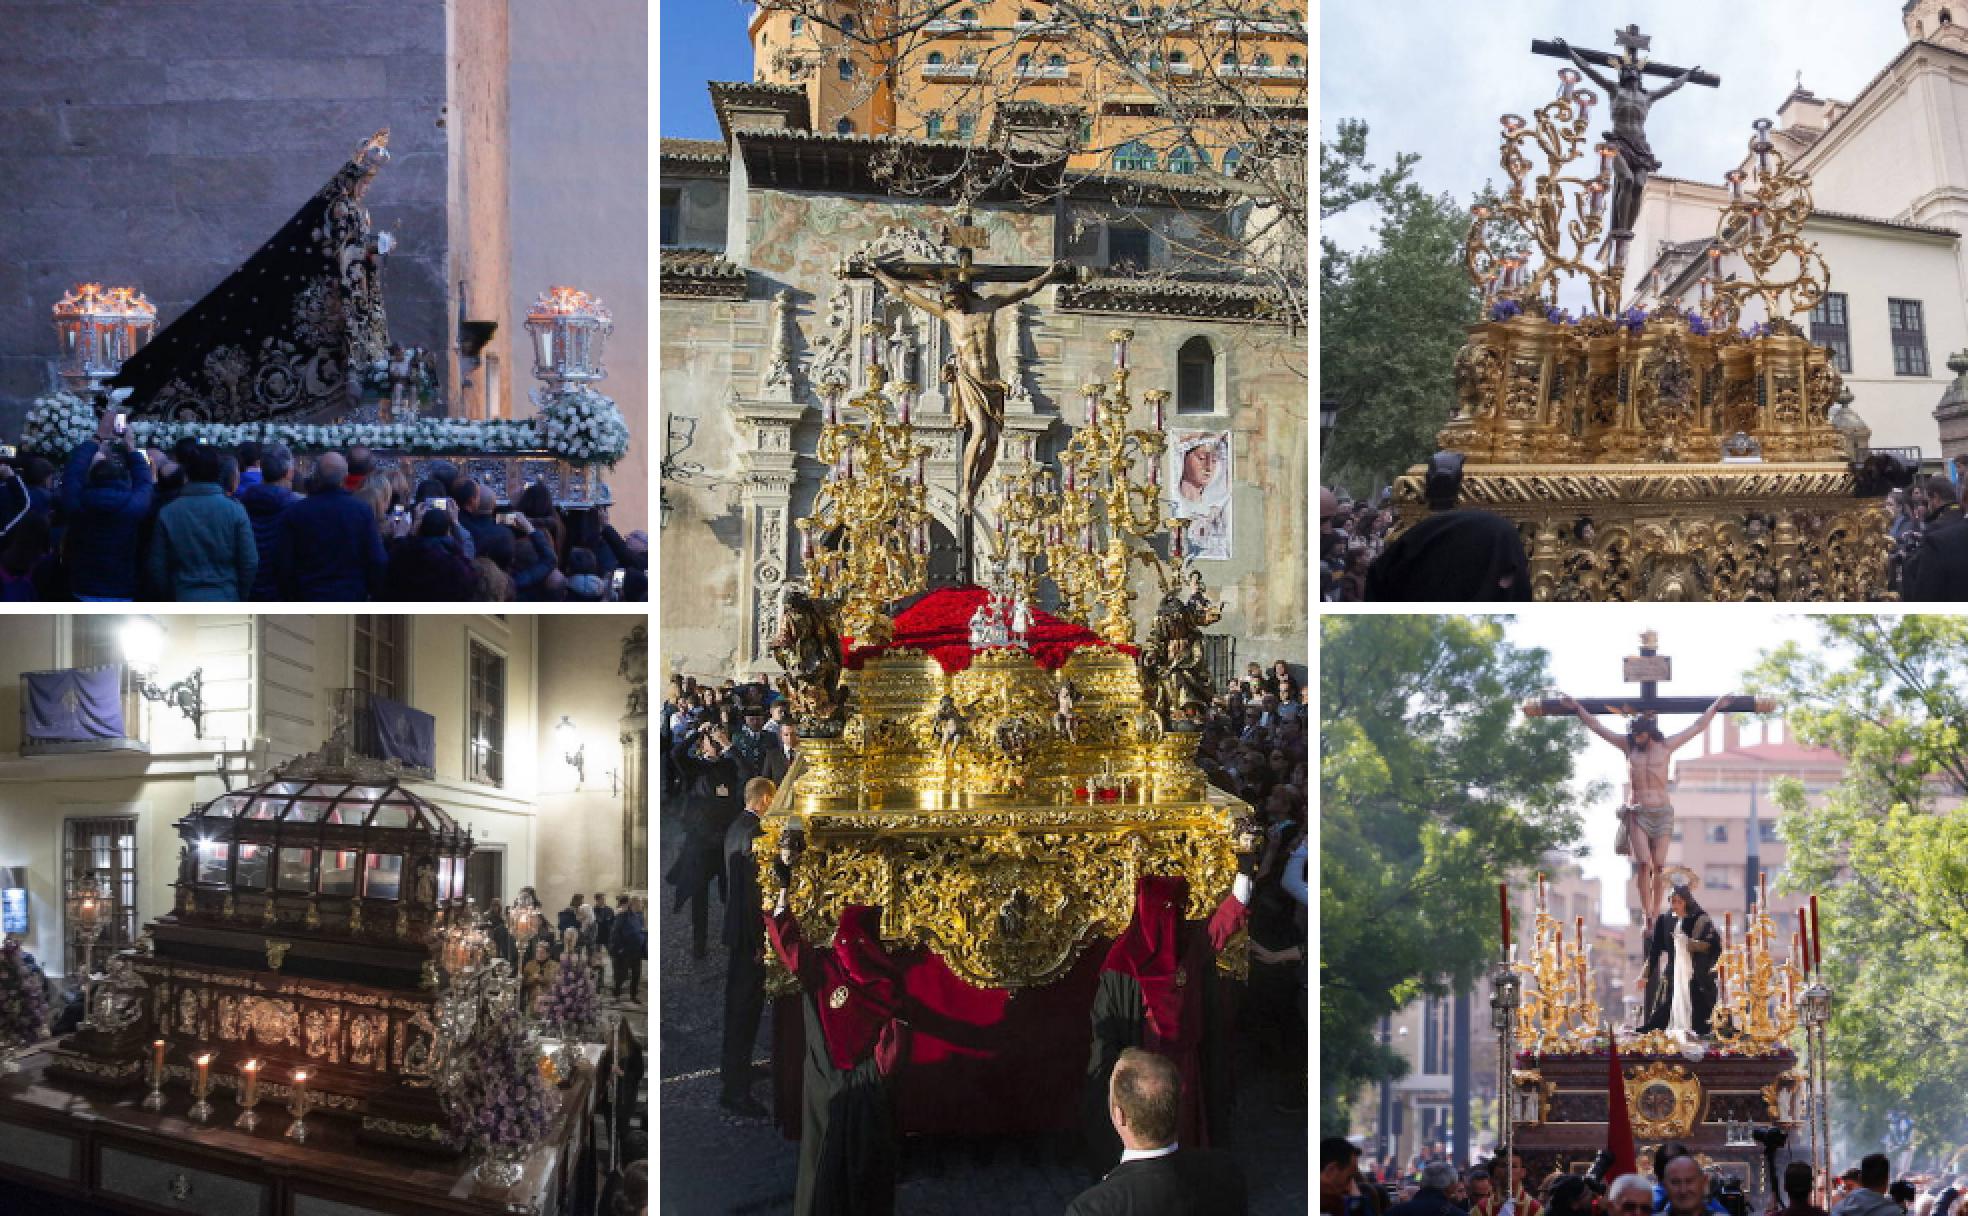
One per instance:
[(430, 564), (106, 495)]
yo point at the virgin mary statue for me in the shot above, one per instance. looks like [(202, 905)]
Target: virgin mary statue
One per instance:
[(1682, 950)]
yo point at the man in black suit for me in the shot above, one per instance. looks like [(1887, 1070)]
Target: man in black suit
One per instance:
[(570, 916), (1938, 570), (757, 750), (1156, 1176), (744, 937)]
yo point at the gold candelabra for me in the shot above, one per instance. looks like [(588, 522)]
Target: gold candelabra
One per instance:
[(1561, 1010), (867, 541), (1757, 1010), (1094, 520), (1764, 227), (1557, 211)]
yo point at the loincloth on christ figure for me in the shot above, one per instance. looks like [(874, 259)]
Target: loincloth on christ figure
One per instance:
[(1656, 821)]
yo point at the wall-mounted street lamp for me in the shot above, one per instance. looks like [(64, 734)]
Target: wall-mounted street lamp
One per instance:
[(143, 648), (573, 749)]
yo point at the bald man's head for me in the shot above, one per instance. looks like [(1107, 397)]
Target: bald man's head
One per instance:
[(1144, 1098), (330, 471)]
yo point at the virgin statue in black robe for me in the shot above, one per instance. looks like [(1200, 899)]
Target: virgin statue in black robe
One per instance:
[(1682, 948)]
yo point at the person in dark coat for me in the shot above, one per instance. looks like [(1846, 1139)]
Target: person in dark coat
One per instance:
[(1704, 950), (266, 500), (628, 945), (1158, 1175), (106, 496), (329, 547), (757, 749), (744, 938), (201, 547), (857, 1042), (430, 565), (1459, 555), (713, 782), (1938, 570), (478, 511), (1156, 991), (1432, 1199)]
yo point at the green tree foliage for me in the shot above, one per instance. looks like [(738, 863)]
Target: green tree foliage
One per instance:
[(1889, 859), (1432, 785), (1391, 317)]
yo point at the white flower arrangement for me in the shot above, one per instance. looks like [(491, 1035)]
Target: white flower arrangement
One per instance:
[(581, 426), (56, 425)]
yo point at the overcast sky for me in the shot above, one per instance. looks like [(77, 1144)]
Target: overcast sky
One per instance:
[(1712, 647), (1432, 76)]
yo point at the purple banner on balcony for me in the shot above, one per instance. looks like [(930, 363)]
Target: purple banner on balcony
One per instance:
[(75, 705), (403, 733)]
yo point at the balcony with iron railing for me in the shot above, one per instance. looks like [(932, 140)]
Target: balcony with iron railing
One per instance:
[(951, 71), (130, 698)]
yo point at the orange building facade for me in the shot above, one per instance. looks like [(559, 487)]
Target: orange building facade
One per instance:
[(941, 81)]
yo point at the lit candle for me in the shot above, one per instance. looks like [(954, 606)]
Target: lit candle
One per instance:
[(249, 1083), (1764, 879), (1704, 290), (1180, 528), (298, 1102), (87, 913), (1728, 927), (806, 545), (1579, 932), (1540, 890), (1586, 99), (1735, 179), (204, 1063), (157, 1060), (1568, 79)]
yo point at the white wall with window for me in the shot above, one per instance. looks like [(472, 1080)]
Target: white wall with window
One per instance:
[(268, 683)]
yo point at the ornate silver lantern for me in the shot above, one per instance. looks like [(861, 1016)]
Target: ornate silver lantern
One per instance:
[(99, 328), (569, 329), (1814, 1005), (1506, 993)]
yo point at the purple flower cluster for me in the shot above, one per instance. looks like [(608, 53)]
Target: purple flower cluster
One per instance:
[(1560, 316), (504, 1100), (1634, 319), (1503, 310), (1697, 324), (23, 997), (572, 1001)]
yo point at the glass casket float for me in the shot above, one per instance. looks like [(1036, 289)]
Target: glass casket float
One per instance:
[(311, 915)]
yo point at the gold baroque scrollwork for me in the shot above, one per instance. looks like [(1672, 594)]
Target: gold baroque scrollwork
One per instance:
[(1663, 1099)]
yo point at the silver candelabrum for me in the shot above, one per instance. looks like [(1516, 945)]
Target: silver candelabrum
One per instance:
[(1506, 995)]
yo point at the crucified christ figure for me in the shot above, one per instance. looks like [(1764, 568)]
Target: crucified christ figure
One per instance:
[(1650, 817), (1634, 158), (977, 395)]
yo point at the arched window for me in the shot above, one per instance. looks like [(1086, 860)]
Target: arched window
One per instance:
[(968, 16), (1230, 61), (846, 69), (933, 126), (1024, 64), (1134, 12), (1027, 15), (1195, 377), (1177, 58), (966, 126), (1233, 157), (847, 24), (1262, 61), (799, 25), (1181, 160), (844, 126), (1294, 61), (1056, 61), (935, 59), (1134, 155)]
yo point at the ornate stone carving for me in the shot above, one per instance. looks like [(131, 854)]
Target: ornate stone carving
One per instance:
[(782, 369)]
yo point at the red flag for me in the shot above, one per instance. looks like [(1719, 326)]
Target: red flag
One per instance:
[(1619, 1121)]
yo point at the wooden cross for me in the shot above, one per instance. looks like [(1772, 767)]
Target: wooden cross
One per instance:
[(1649, 669), (1633, 44)]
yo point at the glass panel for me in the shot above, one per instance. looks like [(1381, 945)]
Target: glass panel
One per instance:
[(268, 808), (251, 874), (225, 808), (338, 871), (388, 816), (287, 788), (318, 790), (212, 858), (385, 879), (297, 869), (306, 811), (367, 793), (446, 876)]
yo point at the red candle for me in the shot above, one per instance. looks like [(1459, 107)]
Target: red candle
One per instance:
[(1503, 901), (1578, 932), (1540, 890), (1817, 938)]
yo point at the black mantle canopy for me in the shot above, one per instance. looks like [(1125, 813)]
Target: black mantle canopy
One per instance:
[(281, 334)]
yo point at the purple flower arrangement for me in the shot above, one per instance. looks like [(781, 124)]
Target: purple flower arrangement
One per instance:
[(1697, 324), (1503, 310), (503, 1100), (1560, 316), (1634, 319), (572, 1001), (23, 997)]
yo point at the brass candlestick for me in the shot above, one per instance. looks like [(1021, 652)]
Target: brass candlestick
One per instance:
[(249, 1096), (201, 1089), (154, 1100), (1764, 228)]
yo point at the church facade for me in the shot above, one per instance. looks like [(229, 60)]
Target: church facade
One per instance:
[(1889, 178), (757, 307)]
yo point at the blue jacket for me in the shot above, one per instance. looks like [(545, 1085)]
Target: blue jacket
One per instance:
[(202, 547), (105, 526), (264, 506), (329, 549)]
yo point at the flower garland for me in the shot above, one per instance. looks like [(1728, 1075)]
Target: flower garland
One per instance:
[(502, 1099), (23, 998), (581, 426), (571, 1001)]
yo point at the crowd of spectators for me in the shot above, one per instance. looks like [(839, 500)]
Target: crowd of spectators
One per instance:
[(202, 522), (1352, 533)]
